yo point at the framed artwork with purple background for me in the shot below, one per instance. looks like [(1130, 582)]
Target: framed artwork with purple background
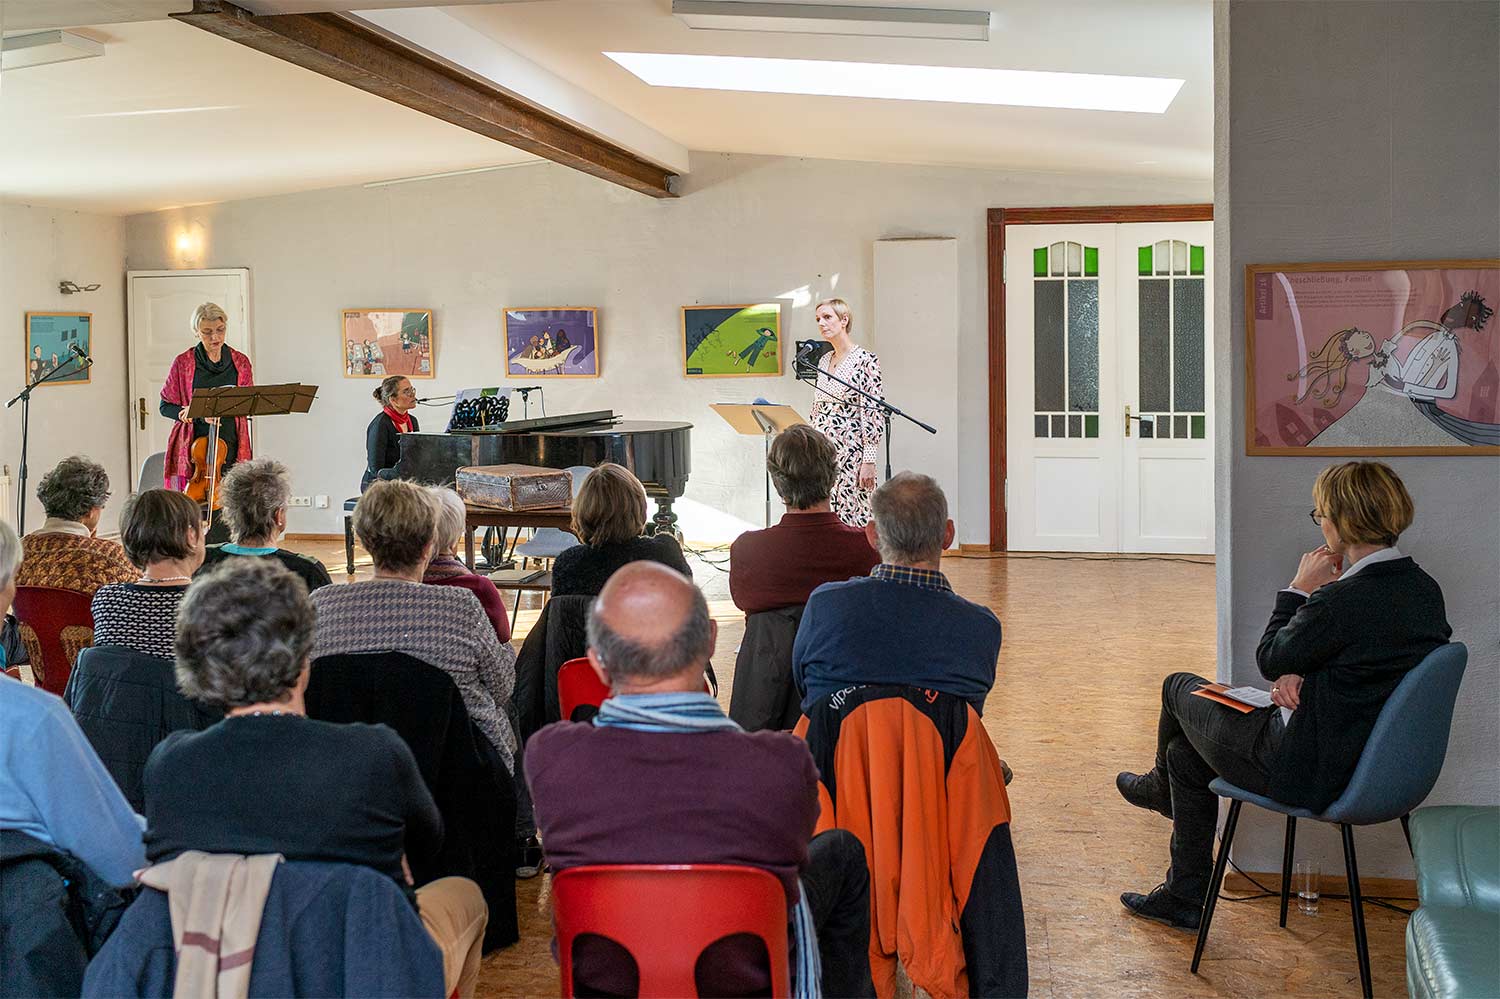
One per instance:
[(551, 342), (1373, 358)]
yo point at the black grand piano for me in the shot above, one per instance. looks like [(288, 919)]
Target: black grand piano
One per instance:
[(658, 453)]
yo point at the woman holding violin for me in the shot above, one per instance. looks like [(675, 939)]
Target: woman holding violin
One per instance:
[(211, 364)]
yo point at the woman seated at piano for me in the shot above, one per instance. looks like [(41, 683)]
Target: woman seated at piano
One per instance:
[(211, 364), (397, 399), (609, 518)]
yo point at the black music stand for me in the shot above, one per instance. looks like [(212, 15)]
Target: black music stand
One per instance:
[(231, 401)]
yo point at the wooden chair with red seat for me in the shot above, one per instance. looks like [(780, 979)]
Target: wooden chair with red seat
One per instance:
[(55, 626), (666, 915)]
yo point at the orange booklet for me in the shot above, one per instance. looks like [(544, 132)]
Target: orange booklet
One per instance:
[(1220, 693)]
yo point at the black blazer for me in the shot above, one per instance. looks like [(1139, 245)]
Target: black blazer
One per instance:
[(126, 703), (382, 448), (584, 569), (1352, 641)]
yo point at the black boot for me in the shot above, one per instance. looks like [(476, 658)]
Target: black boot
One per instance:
[(1149, 791), (1164, 907)]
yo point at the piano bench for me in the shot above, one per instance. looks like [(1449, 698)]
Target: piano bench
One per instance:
[(349, 534)]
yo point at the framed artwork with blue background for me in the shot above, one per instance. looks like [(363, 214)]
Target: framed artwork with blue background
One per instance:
[(50, 339)]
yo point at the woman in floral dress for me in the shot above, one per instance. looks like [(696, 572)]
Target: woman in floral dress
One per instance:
[(846, 418)]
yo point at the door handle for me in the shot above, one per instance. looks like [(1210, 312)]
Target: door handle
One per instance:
[(142, 401), (1128, 418)]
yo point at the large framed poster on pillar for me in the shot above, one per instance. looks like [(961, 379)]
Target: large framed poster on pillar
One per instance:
[(1372, 358)]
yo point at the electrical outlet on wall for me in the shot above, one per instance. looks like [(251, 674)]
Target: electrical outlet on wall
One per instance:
[(299, 501), (321, 501)]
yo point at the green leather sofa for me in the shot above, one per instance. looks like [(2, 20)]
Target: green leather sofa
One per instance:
[(1453, 939)]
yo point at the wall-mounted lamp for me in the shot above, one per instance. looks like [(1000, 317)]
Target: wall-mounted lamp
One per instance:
[(73, 287)]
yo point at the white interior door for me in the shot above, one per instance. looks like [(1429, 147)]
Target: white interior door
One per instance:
[(1166, 371), (161, 305), (1062, 451)]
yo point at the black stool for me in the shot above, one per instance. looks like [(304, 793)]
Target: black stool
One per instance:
[(349, 534)]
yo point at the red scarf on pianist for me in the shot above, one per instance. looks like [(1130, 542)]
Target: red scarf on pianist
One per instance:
[(402, 421)]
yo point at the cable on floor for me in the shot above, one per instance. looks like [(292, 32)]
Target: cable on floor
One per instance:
[(1382, 901)]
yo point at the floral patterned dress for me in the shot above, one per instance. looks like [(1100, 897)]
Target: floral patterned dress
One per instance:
[(853, 424)]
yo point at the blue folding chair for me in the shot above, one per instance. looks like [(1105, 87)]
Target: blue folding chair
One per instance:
[(1400, 763)]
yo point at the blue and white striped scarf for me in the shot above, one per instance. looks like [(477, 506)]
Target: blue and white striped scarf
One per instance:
[(694, 712)]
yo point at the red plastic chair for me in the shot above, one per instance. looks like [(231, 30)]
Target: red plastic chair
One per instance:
[(666, 915), (55, 626), (577, 685)]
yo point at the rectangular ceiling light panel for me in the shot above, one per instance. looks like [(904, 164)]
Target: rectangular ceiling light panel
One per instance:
[(43, 47), (885, 81), (829, 19)]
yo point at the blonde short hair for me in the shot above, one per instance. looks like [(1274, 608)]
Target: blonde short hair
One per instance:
[(395, 520), (841, 309), (610, 506), (451, 519), (207, 312), (1366, 501)]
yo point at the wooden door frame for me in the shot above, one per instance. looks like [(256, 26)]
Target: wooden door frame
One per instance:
[(999, 218)]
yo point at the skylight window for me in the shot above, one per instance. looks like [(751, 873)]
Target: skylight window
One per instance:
[(885, 81)]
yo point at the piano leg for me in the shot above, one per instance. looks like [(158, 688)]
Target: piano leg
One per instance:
[(665, 521)]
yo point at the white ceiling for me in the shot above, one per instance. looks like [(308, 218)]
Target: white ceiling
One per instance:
[(1163, 38), (279, 128)]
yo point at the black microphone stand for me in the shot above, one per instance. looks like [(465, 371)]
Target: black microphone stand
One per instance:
[(24, 398), (886, 411)]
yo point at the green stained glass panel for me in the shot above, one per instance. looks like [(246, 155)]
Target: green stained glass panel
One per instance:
[(1039, 261), (1195, 260), (1091, 425), (1091, 261), (1143, 260), (1199, 427)]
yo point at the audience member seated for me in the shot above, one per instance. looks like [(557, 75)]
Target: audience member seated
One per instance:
[(62, 823), (162, 531), (255, 495), (447, 569), (772, 573), (64, 552), (902, 624), (444, 626), (609, 518), (1357, 616), (781, 565), (268, 779), (663, 777)]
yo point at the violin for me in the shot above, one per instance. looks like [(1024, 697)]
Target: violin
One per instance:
[(198, 487)]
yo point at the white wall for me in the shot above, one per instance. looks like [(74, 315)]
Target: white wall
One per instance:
[(747, 228), (1403, 171), (38, 248)]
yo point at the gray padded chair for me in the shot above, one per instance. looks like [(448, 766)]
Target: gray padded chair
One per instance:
[(1400, 763), (151, 472), (550, 542)]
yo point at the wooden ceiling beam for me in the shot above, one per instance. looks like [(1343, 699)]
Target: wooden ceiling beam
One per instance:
[(342, 48)]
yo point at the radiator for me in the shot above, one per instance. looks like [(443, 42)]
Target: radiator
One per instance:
[(7, 497)]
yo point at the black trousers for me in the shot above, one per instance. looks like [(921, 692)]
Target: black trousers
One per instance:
[(1196, 741)]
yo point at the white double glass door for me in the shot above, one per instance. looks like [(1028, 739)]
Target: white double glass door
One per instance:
[(1109, 426)]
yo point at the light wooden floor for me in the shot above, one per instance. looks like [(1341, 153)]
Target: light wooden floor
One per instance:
[(1075, 700)]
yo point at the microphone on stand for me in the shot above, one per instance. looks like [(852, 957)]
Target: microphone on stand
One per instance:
[(84, 360)]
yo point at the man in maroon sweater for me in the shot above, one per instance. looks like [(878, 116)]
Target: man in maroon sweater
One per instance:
[(662, 777), (781, 565)]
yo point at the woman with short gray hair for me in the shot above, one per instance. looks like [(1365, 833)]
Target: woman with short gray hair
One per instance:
[(440, 625), (268, 779), (256, 494), (446, 569), (10, 558), (64, 552), (210, 364)]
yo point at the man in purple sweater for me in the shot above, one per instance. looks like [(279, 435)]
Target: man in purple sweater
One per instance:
[(663, 777)]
